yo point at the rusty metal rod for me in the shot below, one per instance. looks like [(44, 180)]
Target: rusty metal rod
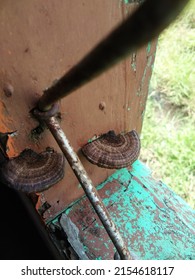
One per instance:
[(145, 24), (88, 187)]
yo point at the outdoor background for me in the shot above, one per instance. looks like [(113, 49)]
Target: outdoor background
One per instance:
[(168, 135)]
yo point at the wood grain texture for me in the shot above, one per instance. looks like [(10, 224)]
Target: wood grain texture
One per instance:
[(32, 172), (30, 65), (113, 151)]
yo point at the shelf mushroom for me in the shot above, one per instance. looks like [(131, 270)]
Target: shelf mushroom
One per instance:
[(32, 172), (113, 151)]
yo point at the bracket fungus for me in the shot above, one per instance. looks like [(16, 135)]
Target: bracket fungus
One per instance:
[(113, 151), (32, 172), (29, 171)]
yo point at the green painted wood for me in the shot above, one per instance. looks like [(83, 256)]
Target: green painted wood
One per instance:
[(155, 222)]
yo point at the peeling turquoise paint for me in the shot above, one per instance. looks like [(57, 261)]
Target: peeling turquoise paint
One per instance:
[(154, 221)]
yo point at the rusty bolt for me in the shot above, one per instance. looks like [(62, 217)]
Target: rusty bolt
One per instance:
[(8, 90), (102, 105)]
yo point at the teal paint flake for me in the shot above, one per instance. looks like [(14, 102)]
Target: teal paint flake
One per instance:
[(132, 1), (133, 65), (149, 47)]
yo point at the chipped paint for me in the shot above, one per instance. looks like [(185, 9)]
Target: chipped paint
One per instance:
[(126, 2), (150, 62), (134, 62), (149, 47), (156, 223), (93, 138)]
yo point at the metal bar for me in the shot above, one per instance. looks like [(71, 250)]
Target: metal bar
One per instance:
[(88, 187), (145, 24)]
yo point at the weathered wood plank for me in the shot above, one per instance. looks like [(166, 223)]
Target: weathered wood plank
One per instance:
[(155, 222)]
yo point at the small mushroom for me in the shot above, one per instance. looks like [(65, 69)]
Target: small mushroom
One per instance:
[(113, 151), (32, 172)]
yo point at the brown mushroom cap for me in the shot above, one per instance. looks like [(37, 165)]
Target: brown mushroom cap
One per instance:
[(32, 172), (113, 151)]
